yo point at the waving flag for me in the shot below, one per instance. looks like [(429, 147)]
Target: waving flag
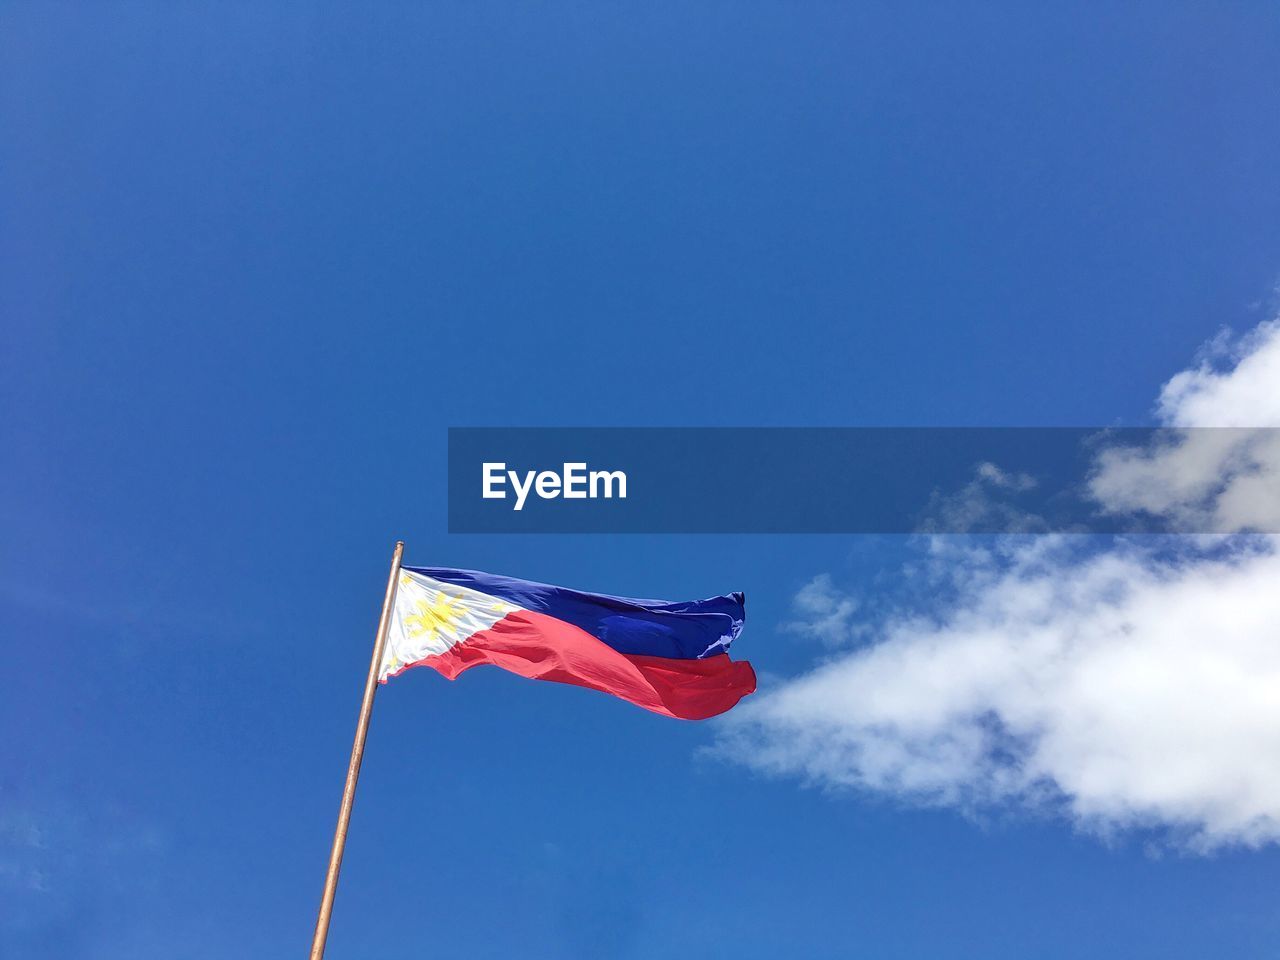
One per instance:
[(671, 658)]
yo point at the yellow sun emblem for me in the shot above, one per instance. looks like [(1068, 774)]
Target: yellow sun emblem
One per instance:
[(434, 618)]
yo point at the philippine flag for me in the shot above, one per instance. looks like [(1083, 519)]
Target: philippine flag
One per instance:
[(671, 658)]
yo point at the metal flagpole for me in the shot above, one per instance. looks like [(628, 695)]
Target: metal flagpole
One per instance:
[(357, 754)]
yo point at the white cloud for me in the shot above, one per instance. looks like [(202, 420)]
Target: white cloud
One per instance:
[(1246, 394), (1131, 689), (1136, 686), (1219, 479)]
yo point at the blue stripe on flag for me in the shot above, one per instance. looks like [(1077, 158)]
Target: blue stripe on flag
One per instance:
[(686, 630)]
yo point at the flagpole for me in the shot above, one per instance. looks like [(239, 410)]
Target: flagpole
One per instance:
[(357, 754)]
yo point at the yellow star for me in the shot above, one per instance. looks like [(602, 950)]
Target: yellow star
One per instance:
[(434, 618)]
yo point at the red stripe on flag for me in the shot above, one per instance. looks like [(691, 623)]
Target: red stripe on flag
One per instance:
[(540, 647)]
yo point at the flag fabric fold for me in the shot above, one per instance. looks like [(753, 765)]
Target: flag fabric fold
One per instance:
[(671, 658)]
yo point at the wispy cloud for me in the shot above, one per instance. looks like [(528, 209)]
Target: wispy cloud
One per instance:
[(987, 502), (1131, 685), (61, 857), (824, 613)]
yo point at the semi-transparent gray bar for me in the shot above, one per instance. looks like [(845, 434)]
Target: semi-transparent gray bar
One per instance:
[(863, 480)]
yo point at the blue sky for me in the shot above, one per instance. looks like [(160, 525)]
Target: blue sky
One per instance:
[(255, 259)]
